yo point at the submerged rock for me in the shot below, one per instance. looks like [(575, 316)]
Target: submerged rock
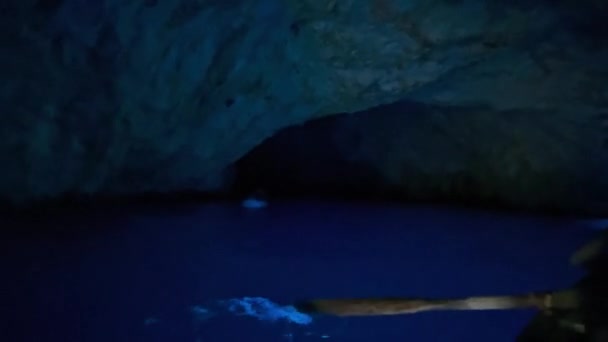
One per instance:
[(107, 97)]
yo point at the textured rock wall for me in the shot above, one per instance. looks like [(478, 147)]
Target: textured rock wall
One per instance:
[(124, 97), (127, 97), (530, 160)]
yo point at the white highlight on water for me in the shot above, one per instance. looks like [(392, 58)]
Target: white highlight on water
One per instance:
[(265, 310), (254, 203)]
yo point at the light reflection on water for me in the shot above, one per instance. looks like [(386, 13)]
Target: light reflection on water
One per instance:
[(138, 275)]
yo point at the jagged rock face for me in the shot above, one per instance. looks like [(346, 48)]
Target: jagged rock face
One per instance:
[(531, 160), (124, 97)]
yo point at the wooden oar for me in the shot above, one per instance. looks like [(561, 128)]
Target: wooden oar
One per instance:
[(568, 299)]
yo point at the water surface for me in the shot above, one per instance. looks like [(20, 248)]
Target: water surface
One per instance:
[(162, 274)]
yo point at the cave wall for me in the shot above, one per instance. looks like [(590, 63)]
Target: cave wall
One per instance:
[(517, 159), (104, 97)]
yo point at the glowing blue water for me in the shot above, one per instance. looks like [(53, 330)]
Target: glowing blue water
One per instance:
[(227, 273)]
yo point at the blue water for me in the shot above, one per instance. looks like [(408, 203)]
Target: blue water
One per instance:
[(161, 275)]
